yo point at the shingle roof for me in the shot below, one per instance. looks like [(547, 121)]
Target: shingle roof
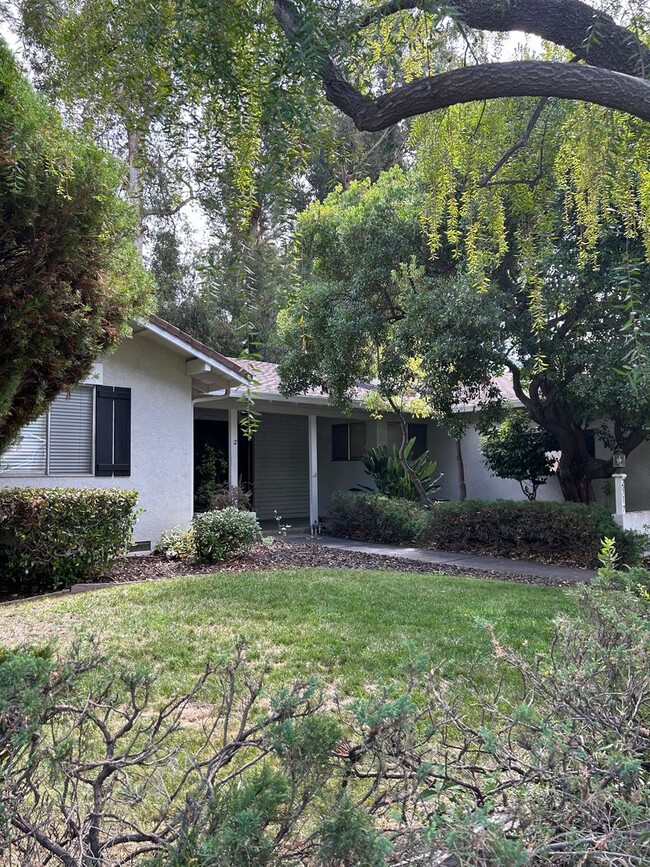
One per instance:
[(267, 379)]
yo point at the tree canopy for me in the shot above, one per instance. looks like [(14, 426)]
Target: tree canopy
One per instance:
[(374, 304), (71, 278)]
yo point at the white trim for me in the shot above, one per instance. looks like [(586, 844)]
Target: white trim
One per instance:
[(313, 469), (215, 365), (233, 442)]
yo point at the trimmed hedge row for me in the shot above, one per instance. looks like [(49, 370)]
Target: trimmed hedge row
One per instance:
[(51, 538), (569, 533), (565, 533), (376, 518)]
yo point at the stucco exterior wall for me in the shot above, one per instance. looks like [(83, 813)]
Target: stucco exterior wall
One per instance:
[(161, 437), (339, 475)]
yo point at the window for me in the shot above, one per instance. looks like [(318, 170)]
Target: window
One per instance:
[(78, 436), (415, 431), (71, 434), (348, 441), (28, 455)]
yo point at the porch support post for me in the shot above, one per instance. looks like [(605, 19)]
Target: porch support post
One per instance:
[(619, 492), (233, 439), (313, 469)]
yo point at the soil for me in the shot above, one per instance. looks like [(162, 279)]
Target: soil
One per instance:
[(281, 555)]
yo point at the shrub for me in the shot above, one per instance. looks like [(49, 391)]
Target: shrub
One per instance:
[(553, 532), (516, 449), (220, 535), (375, 518), (177, 544), (54, 537), (231, 495)]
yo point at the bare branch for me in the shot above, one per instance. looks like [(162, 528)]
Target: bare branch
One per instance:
[(517, 146)]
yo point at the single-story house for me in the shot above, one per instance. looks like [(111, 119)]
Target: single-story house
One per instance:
[(143, 418)]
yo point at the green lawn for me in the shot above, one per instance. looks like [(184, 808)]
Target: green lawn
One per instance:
[(349, 627)]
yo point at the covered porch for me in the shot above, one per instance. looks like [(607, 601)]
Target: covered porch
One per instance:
[(302, 451)]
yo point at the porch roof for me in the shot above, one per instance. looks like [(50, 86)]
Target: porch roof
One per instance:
[(265, 383)]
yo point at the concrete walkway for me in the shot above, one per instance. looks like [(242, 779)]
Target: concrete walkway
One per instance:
[(467, 561)]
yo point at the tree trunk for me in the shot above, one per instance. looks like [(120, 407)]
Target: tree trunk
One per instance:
[(460, 463), (135, 192)]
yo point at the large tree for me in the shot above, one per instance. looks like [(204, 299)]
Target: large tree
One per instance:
[(613, 69), (374, 304), (71, 278)]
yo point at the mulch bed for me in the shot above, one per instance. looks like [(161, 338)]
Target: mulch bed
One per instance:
[(304, 555)]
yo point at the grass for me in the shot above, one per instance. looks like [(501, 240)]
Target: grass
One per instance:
[(348, 627)]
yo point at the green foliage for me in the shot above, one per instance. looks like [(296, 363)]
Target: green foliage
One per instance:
[(375, 518), (55, 537), (384, 466), (238, 833), (209, 471), (633, 579), (347, 837), (374, 306), (71, 277), (220, 535), (177, 544), (515, 450), (24, 681), (569, 533)]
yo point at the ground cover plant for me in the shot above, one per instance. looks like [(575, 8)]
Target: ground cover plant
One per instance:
[(544, 761)]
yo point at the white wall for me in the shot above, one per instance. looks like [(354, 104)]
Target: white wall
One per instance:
[(161, 437), (339, 475)]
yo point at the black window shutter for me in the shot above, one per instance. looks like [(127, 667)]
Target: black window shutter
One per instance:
[(104, 431), (113, 431), (122, 432)]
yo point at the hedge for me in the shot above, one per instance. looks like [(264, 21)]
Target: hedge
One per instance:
[(568, 533), (51, 538), (375, 518), (565, 533)]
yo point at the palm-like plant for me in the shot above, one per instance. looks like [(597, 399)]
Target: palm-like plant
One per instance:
[(387, 471)]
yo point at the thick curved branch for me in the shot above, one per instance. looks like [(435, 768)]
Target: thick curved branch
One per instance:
[(586, 32), (614, 77), (489, 81)]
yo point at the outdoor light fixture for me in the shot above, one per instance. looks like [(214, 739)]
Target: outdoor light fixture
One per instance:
[(618, 459)]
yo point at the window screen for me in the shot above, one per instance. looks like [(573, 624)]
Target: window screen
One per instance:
[(357, 440), (348, 441), (28, 455), (71, 433), (340, 436)]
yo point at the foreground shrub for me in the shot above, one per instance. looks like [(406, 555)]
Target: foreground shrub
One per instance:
[(553, 532), (177, 544), (55, 537), (512, 761), (375, 518), (220, 535)]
